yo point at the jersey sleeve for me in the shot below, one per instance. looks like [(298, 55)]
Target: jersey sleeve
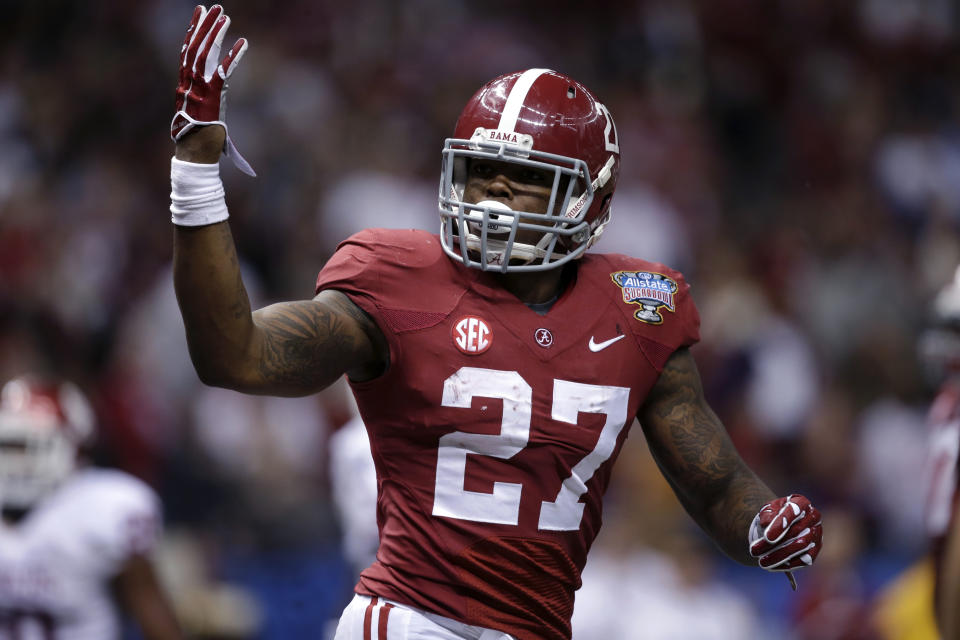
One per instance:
[(352, 269), (127, 518), (394, 275), (657, 303), (688, 330), (679, 327)]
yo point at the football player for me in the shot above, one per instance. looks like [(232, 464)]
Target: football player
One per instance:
[(74, 541), (496, 365), (940, 347)]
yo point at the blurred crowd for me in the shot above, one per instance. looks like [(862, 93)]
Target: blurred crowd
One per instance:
[(798, 160)]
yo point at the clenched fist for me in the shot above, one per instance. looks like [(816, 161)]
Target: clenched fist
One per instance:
[(786, 534)]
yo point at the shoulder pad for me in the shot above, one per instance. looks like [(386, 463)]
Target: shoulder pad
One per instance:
[(401, 278), (654, 299)]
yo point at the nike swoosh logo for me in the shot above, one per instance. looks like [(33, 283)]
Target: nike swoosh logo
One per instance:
[(600, 346)]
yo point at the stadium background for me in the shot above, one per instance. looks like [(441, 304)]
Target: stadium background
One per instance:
[(799, 160)]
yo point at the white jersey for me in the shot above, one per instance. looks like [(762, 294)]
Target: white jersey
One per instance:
[(56, 564)]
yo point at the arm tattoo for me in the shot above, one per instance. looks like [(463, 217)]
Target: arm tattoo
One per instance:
[(311, 343), (696, 437), (696, 455)]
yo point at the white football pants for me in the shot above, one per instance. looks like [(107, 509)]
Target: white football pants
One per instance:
[(367, 618)]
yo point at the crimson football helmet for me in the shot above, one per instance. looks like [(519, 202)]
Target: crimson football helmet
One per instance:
[(544, 120), (42, 424)]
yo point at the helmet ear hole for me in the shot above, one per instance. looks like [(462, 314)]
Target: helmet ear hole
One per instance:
[(571, 92)]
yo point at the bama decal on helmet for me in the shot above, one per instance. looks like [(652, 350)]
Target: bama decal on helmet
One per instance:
[(507, 136), (472, 335), (652, 291), (521, 140)]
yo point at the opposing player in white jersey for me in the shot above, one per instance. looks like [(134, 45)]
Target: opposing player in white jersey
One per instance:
[(941, 351), (74, 540)]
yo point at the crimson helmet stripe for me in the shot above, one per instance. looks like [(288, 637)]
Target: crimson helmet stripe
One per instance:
[(516, 98)]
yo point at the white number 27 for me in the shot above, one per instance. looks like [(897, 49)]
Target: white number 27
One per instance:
[(502, 506)]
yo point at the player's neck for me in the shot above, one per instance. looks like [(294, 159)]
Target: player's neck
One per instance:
[(536, 287)]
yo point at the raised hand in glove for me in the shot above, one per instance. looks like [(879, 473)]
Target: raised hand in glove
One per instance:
[(202, 88), (786, 534)]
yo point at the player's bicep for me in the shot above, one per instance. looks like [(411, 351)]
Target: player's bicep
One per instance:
[(304, 346), (686, 438)]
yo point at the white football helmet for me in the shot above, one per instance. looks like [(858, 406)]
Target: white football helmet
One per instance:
[(42, 424), (940, 343)]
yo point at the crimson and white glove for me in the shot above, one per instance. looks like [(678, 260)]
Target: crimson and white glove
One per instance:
[(202, 88), (786, 534)]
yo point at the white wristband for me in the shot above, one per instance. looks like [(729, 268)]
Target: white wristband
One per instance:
[(196, 194)]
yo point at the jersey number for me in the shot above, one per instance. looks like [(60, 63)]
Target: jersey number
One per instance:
[(502, 506)]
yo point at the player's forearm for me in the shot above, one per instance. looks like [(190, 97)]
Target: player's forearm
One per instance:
[(213, 302), (206, 272), (728, 518), (722, 505), (692, 448)]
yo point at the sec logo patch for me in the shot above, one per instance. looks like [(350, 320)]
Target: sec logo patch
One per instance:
[(472, 335)]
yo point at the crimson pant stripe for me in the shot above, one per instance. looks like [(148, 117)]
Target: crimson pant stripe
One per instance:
[(382, 627), (368, 619)]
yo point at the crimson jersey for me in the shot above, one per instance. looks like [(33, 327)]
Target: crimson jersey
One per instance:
[(943, 497), (494, 429)]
